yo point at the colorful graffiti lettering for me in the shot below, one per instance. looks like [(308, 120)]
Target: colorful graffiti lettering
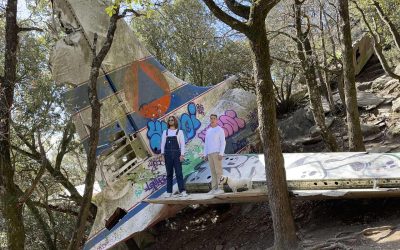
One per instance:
[(139, 187), (156, 183), (155, 163), (200, 109), (237, 166), (229, 122), (188, 123), (154, 133)]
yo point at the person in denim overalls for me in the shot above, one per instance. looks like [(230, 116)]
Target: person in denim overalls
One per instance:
[(173, 150)]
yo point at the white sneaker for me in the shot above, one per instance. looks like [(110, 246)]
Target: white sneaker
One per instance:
[(184, 194), (219, 191), (211, 191), (167, 195)]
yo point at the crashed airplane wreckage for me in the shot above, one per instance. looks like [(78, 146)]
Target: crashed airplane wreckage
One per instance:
[(137, 93)]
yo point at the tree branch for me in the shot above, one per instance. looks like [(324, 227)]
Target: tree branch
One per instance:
[(30, 145), (42, 169), (126, 11), (55, 208), (238, 8), (65, 141), (28, 192), (56, 174), (30, 155), (295, 39), (377, 46), (388, 22), (227, 19), (308, 25), (25, 29), (42, 224)]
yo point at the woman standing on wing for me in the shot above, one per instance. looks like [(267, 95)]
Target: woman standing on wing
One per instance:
[(173, 151)]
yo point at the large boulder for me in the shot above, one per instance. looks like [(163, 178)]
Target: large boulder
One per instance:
[(396, 105), (369, 129), (315, 130), (295, 126), (368, 100), (380, 82), (397, 70), (362, 86), (365, 100), (394, 130)]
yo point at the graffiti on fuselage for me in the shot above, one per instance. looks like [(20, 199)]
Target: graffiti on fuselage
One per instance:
[(229, 122), (236, 166), (188, 123), (351, 165)]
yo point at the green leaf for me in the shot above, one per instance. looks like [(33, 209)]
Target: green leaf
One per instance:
[(150, 13), (110, 10)]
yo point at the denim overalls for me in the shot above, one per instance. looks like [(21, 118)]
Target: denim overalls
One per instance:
[(172, 154)]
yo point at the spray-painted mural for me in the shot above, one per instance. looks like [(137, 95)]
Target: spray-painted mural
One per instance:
[(229, 122), (307, 167), (343, 165), (188, 123), (137, 94)]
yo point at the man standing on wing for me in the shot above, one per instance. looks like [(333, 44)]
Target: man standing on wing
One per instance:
[(214, 148)]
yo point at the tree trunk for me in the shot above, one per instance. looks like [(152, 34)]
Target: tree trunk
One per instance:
[(324, 76), (382, 59), (341, 90), (333, 44), (306, 57), (325, 88), (353, 119), (8, 191), (278, 196), (389, 24), (377, 46), (93, 132)]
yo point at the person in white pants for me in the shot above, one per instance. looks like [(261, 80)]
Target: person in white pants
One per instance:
[(214, 148)]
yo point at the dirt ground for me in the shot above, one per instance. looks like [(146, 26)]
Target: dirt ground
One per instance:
[(249, 226)]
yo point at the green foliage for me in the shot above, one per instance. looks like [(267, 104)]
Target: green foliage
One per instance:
[(391, 8), (145, 7), (189, 41), (111, 10), (39, 107), (290, 93)]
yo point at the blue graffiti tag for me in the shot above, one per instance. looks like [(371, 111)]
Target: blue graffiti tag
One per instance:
[(188, 123), (154, 133)]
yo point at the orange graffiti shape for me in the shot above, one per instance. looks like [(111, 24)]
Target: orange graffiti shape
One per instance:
[(155, 108)]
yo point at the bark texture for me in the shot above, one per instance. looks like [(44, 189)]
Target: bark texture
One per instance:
[(255, 30), (9, 195), (79, 232), (389, 23), (305, 54), (356, 142)]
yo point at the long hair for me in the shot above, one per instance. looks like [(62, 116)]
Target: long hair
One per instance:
[(176, 125)]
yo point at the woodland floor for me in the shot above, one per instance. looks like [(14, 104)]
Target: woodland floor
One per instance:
[(249, 226)]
